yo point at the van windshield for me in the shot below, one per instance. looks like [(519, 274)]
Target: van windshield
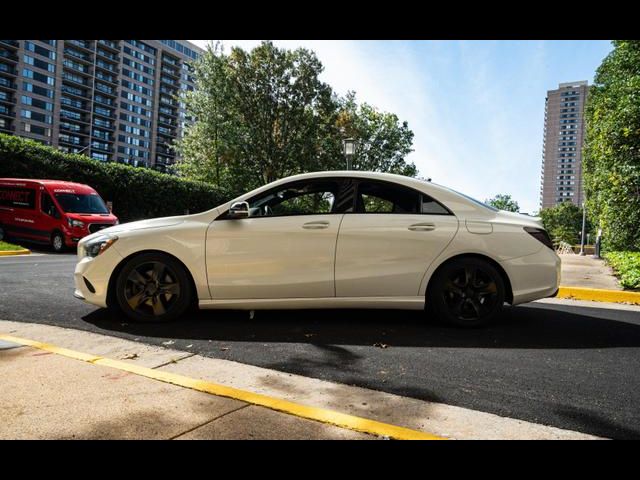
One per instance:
[(81, 203)]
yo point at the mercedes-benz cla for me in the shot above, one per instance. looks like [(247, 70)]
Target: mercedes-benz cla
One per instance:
[(325, 240)]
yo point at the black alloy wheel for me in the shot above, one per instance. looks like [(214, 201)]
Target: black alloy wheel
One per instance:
[(153, 288), (467, 292)]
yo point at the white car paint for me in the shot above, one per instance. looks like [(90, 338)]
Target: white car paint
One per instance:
[(329, 260)]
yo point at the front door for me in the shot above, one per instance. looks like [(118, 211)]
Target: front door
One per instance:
[(284, 249)]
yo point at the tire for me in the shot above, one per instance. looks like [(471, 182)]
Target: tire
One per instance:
[(57, 242), (467, 292), (153, 287)]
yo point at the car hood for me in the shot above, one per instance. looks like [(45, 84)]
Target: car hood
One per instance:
[(143, 224)]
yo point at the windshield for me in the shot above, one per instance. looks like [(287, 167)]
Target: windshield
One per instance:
[(81, 203)]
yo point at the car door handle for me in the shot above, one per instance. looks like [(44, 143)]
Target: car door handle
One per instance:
[(422, 227), (315, 225)]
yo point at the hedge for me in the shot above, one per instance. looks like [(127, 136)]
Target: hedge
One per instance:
[(626, 265), (136, 193)]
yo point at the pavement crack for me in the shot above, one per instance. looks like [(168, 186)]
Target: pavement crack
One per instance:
[(172, 361), (209, 421)]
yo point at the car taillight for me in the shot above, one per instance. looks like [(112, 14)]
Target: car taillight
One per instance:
[(541, 235)]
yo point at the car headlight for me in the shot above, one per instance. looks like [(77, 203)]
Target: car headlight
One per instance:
[(75, 223), (96, 246)]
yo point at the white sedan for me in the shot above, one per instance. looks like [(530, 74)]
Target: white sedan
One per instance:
[(325, 240)]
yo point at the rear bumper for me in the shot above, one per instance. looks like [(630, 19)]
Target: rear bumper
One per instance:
[(534, 276)]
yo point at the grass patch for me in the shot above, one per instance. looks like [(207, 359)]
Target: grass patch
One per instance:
[(626, 266), (4, 246)]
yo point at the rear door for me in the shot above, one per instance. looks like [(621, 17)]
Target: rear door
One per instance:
[(49, 215), (386, 245)]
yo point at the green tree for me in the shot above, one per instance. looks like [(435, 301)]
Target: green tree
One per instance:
[(503, 202), (564, 222), (265, 114), (611, 162), (383, 141)]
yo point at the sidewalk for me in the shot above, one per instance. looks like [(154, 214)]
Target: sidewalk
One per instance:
[(587, 272), (106, 387)]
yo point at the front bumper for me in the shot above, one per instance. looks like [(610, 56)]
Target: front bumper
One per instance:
[(94, 274)]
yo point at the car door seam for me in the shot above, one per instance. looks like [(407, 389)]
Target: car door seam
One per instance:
[(335, 256)]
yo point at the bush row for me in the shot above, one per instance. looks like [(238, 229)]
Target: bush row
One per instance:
[(136, 193), (626, 266)]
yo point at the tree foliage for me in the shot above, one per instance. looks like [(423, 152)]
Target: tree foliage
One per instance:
[(611, 162), (265, 114), (564, 222), (503, 202)]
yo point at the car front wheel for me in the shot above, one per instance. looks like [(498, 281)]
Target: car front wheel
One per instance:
[(467, 292), (153, 287)]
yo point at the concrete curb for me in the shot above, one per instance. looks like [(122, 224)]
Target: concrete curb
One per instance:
[(5, 253), (599, 295)]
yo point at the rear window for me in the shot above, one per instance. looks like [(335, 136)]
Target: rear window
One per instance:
[(81, 203), (17, 197)]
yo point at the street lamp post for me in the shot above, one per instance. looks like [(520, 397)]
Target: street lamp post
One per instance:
[(349, 150), (584, 222)]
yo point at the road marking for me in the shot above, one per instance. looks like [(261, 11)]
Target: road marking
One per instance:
[(599, 295), (350, 422)]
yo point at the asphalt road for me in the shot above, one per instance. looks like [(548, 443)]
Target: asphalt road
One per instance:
[(563, 365)]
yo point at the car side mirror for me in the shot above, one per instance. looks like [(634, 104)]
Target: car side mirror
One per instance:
[(239, 210)]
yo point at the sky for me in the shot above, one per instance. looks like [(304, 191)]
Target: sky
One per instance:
[(476, 107)]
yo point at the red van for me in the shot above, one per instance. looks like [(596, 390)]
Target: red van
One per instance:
[(51, 211)]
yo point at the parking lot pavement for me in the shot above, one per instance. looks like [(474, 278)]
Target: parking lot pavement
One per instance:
[(54, 391)]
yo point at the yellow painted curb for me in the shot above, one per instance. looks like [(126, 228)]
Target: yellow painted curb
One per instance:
[(24, 251), (599, 295), (331, 417)]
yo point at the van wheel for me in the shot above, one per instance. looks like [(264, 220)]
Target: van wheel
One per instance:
[(57, 242)]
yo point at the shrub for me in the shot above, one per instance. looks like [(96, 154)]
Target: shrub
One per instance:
[(627, 266), (136, 193)]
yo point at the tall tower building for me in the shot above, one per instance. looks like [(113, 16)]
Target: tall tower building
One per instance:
[(113, 100), (561, 178)]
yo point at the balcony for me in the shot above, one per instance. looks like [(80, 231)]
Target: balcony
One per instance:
[(107, 55), (83, 44), (106, 90), (103, 113), (78, 55), (7, 69), (106, 66), (106, 78), (110, 44), (10, 43), (74, 78), (8, 128), (6, 83), (75, 92), (8, 55)]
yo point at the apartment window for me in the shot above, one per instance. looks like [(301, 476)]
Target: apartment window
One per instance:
[(44, 52), (38, 76), (102, 123), (103, 157), (45, 132), (142, 46), (30, 87), (29, 60), (39, 117), (69, 114), (103, 111), (74, 78), (101, 134), (133, 141), (37, 103)]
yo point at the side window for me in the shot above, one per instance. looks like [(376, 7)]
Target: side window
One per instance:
[(431, 207), (382, 197), (303, 198), (47, 206)]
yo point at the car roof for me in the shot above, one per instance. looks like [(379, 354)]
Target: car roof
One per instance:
[(50, 183)]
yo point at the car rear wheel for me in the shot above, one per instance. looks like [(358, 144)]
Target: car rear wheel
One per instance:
[(57, 242), (467, 292), (153, 287)]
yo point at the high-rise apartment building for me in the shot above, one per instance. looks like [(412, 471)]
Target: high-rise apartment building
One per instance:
[(561, 178), (113, 100)]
